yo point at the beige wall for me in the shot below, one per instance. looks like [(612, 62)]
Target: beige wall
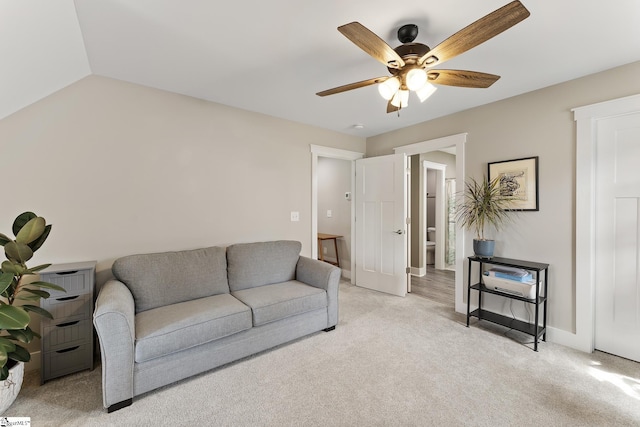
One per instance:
[(120, 169), (540, 124)]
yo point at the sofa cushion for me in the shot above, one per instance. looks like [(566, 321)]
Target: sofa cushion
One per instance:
[(281, 300), (160, 279), (177, 327), (263, 263)]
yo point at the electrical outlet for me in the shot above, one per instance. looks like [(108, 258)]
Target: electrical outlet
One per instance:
[(295, 216), (329, 213)]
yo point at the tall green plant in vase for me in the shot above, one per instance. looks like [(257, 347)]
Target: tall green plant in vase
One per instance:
[(483, 206), (20, 289)]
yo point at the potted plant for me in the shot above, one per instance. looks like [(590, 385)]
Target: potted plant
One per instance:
[(483, 205), (20, 288)]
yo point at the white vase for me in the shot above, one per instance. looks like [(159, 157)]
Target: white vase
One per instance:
[(10, 387)]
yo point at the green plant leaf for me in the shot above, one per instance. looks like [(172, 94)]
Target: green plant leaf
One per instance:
[(4, 358), (18, 252), (31, 231), (38, 310), (24, 296), (4, 239), (20, 354), (13, 317), (21, 220), (34, 333), (6, 345), (41, 294), (5, 281), (482, 205), (22, 335), (37, 268), (48, 285), (11, 267), (4, 372), (36, 244)]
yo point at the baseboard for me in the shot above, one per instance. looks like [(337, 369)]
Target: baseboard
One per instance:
[(346, 274), (418, 271), (567, 339)]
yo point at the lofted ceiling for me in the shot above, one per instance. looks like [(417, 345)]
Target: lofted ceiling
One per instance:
[(273, 56)]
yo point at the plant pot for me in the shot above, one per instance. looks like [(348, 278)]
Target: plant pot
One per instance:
[(10, 387), (483, 248)]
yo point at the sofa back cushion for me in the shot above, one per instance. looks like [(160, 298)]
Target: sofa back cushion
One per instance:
[(160, 279), (256, 264)]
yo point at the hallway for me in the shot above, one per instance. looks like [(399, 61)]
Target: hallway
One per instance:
[(436, 285)]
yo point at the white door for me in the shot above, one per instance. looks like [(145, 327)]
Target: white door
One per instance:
[(381, 224), (617, 269)]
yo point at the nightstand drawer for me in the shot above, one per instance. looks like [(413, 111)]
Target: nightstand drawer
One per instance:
[(76, 307), (68, 360), (67, 334), (76, 282)]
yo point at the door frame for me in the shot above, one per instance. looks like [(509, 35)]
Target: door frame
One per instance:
[(334, 153), (459, 141), (586, 119)]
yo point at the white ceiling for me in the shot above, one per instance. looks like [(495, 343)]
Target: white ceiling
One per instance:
[(273, 56)]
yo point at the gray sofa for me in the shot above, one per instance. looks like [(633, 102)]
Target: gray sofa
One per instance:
[(171, 315)]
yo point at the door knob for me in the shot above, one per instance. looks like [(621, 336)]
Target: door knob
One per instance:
[(399, 231)]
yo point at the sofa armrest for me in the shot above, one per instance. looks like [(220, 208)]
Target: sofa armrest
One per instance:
[(114, 320), (325, 276)]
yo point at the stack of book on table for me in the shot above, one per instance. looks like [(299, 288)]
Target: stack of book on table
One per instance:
[(515, 281)]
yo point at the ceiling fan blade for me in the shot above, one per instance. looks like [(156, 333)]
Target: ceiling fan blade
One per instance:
[(391, 108), (351, 86), (368, 41), (462, 78), (478, 32)]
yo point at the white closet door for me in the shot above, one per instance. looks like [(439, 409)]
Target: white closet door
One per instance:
[(617, 266)]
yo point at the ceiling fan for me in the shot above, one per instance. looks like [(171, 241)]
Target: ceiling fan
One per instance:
[(410, 63)]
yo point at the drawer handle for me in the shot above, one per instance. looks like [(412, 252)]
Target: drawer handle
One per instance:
[(64, 273), (64, 325), (67, 298), (68, 349)]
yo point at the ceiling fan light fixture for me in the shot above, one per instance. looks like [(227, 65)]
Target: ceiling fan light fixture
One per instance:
[(401, 99), (389, 87), (426, 91), (410, 64), (416, 78)]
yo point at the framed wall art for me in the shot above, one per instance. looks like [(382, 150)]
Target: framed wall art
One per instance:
[(518, 181)]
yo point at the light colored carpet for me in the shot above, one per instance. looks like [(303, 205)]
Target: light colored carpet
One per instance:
[(390, 361)]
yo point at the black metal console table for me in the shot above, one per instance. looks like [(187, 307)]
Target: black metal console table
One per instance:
[(540, 299)]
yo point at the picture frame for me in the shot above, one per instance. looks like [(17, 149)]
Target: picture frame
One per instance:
[(518, 181)]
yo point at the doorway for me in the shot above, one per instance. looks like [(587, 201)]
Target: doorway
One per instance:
[(433, 231), (456, 142), (320, 152), (334, 212)]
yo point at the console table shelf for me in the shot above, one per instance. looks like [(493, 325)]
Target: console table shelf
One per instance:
[(509, 322), (540, 301), (483, 288)]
